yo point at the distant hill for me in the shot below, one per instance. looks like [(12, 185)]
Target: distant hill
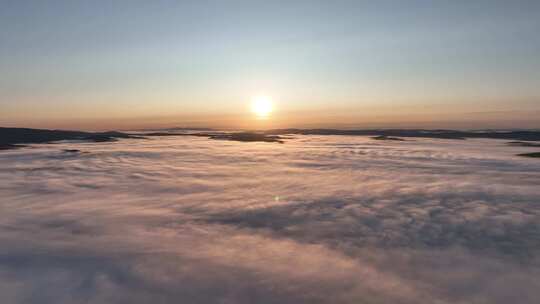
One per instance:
[(15, 137), (523, 135), (12, 137)]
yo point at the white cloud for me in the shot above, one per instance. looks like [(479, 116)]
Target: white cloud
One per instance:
[(316, 220)]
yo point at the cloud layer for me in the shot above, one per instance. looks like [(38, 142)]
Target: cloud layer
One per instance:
[(320, 219)]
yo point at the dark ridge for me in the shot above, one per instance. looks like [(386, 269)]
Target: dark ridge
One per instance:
[(238, 136), (384, 137), (11, 137), (174, 129), (160, 134), (523, 144), (248, 137), (71, 150), (534, 154), (10, 146), (443, 134)]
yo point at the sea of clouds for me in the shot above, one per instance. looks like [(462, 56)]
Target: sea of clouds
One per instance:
[(318, 219)]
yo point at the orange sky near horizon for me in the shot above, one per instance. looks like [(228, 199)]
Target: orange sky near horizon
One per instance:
[(419, 116)]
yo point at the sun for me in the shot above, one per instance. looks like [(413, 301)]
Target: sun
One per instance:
[(261, 106)]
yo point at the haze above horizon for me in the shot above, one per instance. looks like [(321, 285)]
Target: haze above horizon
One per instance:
[(335, 64)]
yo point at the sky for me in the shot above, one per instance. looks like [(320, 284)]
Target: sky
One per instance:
[(343, 64)]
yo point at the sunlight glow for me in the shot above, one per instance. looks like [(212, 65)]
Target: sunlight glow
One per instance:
[(262, 106)]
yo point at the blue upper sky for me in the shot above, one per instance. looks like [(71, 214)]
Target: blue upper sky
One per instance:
[(79, 63)]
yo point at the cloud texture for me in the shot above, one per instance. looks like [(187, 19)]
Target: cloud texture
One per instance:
[(329, 219)]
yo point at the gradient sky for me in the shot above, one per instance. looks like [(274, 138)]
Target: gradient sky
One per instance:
[(127, 64)]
